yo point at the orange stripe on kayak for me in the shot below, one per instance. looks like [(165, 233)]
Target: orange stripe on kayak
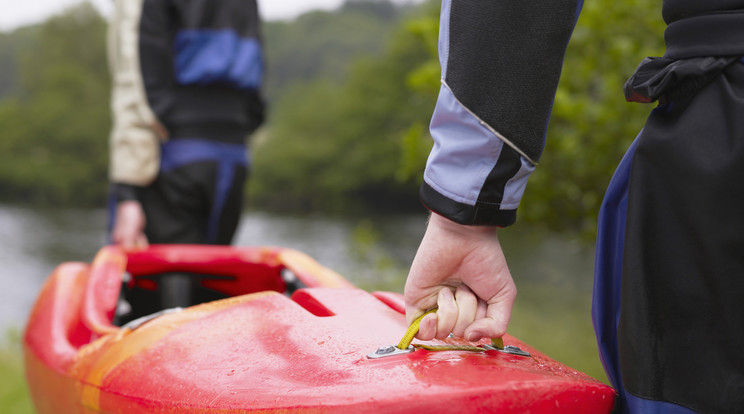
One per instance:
[(300, 262), (127, 343)]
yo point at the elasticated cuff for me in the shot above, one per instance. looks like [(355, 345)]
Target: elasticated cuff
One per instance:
[(480, 214), (126, 192)]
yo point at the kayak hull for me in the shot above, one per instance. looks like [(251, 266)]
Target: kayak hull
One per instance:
[(271, 352)]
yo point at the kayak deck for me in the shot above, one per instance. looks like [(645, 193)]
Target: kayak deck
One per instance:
[(267, 352)]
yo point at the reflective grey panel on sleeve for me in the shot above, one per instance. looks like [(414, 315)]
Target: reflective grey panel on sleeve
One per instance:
[(473, 176)]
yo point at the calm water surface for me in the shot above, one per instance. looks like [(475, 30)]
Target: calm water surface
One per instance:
[(553, 273), (370, 253)]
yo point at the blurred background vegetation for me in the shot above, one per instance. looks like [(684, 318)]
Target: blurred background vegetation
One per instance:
[(350, 94)]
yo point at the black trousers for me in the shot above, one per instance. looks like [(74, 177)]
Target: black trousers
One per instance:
[(198, 196)]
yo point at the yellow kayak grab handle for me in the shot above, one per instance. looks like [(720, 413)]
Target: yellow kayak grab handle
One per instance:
[(413, 329), (404, 346)]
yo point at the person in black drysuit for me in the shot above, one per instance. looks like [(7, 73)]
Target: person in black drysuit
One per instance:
[(187, 78), (669, 272)]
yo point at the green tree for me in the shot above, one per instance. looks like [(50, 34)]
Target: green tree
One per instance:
[(322, 44), (54, 136), (592, 125), (10, 46), (368, 135), (334, 146)]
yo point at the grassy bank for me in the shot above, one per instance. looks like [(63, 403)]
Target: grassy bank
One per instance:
[(557, 322), (14, 397)]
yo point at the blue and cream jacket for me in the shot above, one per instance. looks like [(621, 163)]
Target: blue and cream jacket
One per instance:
[(181, 68)]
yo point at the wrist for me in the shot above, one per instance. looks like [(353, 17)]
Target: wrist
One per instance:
[(126, 192), (450, 226)]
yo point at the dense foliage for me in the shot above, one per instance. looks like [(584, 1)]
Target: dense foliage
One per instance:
[(366, 139), (592, 126), (321, 45), (338, 146), (351, 93), (53, 129)]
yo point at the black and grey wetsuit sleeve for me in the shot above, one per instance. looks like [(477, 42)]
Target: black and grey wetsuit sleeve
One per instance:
[(501, 61)]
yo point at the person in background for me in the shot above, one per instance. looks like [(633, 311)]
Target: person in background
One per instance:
[(186, 96), (669, 273)]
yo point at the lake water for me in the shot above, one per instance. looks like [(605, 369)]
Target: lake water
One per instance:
[(370, 253), (553, 273)]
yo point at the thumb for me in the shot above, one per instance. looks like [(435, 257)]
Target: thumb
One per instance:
[(494, 324)]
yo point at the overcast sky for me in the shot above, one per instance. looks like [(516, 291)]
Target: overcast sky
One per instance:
[(15, 13)]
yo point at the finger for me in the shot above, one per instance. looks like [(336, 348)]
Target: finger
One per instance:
[(141, 242), (494, 324), (467, 307), (419, 306), (446, 314), (428, 327), (418, 299), (482, 310), (428, 324), (484, 328), (122, 239)]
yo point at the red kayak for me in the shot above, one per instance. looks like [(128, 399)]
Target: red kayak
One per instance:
[(324, 348)]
